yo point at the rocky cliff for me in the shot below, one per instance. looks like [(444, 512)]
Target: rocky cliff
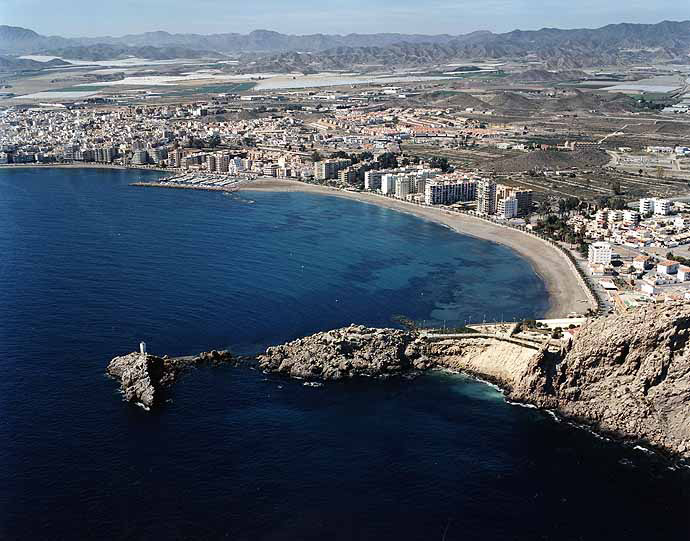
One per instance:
[(626, 375), (143, 378), (354, 351)]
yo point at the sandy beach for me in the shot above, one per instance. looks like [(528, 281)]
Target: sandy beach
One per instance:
[(566, 291)]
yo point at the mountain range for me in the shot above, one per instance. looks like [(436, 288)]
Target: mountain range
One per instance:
[(553, 48)]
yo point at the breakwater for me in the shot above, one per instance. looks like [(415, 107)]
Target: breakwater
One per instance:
[(200, 187)]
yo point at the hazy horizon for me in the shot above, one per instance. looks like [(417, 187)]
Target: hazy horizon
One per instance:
[(76, 18)]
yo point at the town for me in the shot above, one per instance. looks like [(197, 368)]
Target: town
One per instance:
[(613, 203)]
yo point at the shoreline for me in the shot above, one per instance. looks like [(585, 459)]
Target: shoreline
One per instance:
[(84, 166), (566, 293), (564, 287)]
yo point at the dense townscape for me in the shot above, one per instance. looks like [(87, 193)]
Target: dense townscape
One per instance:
[(394, 271), (622, 245)]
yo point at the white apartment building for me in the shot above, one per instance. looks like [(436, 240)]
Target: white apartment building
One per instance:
[(631, 217), (646, 206), (388, 184), (486, 196), (507, 208), (599, 253), (667, 267), (403, 187), (449, 192), (683, 273), (660, 207)]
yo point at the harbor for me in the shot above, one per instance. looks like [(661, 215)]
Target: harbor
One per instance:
[(197, 181)]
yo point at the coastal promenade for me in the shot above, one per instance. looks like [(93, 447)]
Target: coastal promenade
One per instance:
[(567, 290)]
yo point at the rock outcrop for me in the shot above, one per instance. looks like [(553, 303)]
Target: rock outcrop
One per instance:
[(354, 351), (626, 375), (143, 377)]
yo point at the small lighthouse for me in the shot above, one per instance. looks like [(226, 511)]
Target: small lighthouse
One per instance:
[(142, 347)]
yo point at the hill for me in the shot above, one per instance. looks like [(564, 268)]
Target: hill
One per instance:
[(510, 101), (450, 98), (549, 160), (591, 101), (11, 64), (555, 49), (102, 51), (545, 76)]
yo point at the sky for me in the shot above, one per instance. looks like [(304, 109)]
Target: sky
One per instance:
[(72, 18)]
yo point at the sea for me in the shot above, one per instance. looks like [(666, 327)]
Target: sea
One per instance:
[(90, 266)]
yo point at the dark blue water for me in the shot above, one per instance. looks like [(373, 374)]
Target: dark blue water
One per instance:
[(89, 266)]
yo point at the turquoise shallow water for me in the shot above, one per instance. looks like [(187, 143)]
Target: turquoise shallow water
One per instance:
[(89, 266)]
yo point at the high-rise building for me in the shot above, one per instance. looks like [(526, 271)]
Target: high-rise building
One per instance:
[(507, 208), (347, 175), (655, 205), (178, 157), (69, 152), (212, 163), (486, 196), (420, 183), (388, 183), (372, 180), (403, 187), (524, 197), (449, 192), (224, 163), (140, 157), (524, 201), (631, 217), (328, 169)]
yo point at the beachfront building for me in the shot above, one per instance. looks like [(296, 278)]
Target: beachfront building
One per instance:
[(328, 169), (372, 180), (524, 197), (438, 192), (507, 208), (388, 183), (403, 187), (486, 196), (347, 175), (599, 253)]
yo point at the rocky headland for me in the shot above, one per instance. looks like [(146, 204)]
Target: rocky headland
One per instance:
[(144, 377), (627, 376), (624, 375)]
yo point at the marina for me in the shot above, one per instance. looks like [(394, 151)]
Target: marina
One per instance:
[(197, 181)]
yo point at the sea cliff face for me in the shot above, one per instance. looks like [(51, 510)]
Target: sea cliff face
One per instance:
[(144, 377), (624, 375), (627, 375)]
